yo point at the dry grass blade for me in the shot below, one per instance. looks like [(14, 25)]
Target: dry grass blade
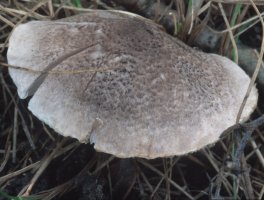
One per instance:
[(260, 58), (104, 164), (257, 2), (68, 185), (229, 31), (163, 175), (36, 164), (25, 127), (76, 71), (15, 132), (16, 173), (7, 21), (258, 152), (44, 163), (6, 156)]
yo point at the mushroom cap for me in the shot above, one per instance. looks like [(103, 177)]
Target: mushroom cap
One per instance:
[(144, 93)]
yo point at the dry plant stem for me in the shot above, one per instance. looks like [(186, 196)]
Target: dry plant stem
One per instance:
[(261, 194), (198, 29), (103, 165), (140, 186), (243, 14), (4, 98), (23, 122), (18, 172), (6, 156), (59, 6), (246, 180), (259, 154), (71, 151), (158, 186), (166, 170), (67, 148), (210, 157), (220, 171), (13, 12), (145, 179), (8, 105), (170, 174), (35, 165), (254, 20), (254, 150), (222, 180), (258, 63), (204, 8), (130, 188), (229, 31), (44, 163), (103, 5), (202, 193), (193, 12), (7, 21), (180, 5), (196, 160), (15, 132), (109, 181), (180, 171), (240, 149), (239, 21), (69, 185), (80, 71), (161, 12), (253, 79), (48, 132), (257, 2), (40, 79), (163, 175), (252, 125), (51, 10), (16, 13), (35, 13), (155, 193), (239, 157)]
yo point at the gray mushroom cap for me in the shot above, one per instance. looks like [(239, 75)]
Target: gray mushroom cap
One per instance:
[(142, 93)]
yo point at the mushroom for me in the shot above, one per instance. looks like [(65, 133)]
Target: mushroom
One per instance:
[(118, 81)]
